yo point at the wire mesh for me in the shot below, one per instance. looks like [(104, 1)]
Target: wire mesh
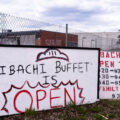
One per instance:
[(16, 30), (9, 22)]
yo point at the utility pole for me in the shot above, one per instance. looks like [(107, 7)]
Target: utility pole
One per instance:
[(66, 40)]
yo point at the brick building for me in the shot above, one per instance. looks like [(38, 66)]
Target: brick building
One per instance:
[(38, 38)]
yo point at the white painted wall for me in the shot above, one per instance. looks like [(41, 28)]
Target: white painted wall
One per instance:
[(103, 40)]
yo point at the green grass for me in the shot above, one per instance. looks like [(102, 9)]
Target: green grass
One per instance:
[(112, 115), (71, 105), (115, 103), (102, 110), (99, 117), (82, 117), (73, 118), (82, 110), (30, 112), (96, 109)]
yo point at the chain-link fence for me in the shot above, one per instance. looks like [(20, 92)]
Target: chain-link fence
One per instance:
[(9, 22), (23, 31)]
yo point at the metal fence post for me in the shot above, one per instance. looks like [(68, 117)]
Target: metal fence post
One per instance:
[(66, 41)]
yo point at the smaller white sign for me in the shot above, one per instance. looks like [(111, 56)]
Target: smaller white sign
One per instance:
[(109, 75)]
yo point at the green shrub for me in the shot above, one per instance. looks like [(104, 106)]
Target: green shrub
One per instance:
[(99, 117), (112, 115), (30, 112), (71, 105), (96, 109), (82, 110)]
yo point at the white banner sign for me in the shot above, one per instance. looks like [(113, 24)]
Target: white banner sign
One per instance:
[(109, 75), (46, 78)]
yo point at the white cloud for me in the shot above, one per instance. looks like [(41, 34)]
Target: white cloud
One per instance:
[(104, 14)]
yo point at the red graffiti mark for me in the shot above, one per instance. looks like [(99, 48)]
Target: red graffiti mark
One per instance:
[(13, 86), (38, 99), (51, 98), (15, 99), (72, 83), (67, 94)]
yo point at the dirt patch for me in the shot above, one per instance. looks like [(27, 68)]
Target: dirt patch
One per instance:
[(102, 110)]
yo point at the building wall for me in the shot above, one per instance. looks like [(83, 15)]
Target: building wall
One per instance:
[(48, 38), (27, 40), (103, 40), (52, 39), (39, 38), (8, 41), (24, 40)]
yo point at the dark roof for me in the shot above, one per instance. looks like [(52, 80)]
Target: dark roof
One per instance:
[(4, 34), (19, 33)]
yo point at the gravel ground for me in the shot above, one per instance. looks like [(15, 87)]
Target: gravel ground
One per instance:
[(102, 110)]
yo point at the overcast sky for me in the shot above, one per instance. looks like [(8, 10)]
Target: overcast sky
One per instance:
[(85, 15)]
